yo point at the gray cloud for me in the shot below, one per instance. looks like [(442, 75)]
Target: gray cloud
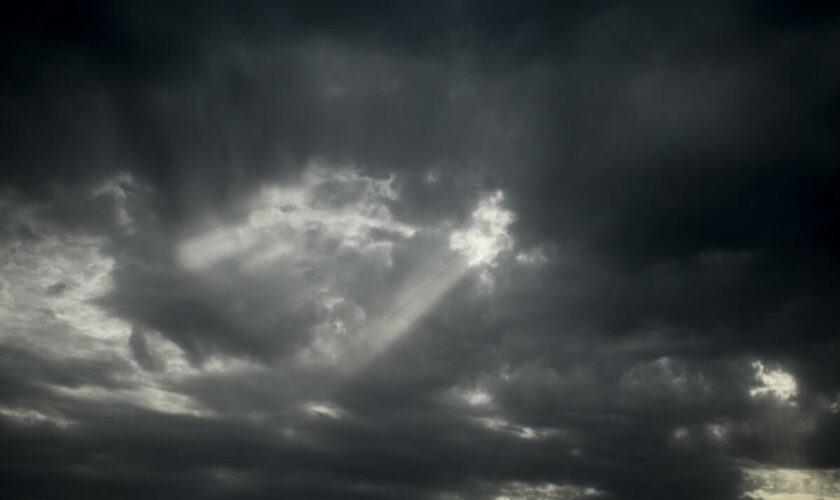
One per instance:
[(229, 269)]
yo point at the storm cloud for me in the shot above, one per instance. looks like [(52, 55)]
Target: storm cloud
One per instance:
[(448, 250)]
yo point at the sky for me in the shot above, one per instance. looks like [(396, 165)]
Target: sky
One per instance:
[(455, 250)]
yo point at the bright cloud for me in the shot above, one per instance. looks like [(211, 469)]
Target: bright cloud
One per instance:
[(775, 383), (338, 203), (142, 395), (49, 290), (57, 279), (517, 490), (321, 409), (26, 416), (486, 235), (764, 483)]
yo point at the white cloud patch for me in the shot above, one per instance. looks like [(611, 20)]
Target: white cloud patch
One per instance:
[(834, 406), (341, 204), (763, 483), (775, 383), (324, 409), (49, 287), (718, 431), (486, 235), (55, 279), (470, 396), (142, 396), (477, 397), (27, 416), (517, 490)]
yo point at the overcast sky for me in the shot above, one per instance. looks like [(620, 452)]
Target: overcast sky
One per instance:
[(420, 250)]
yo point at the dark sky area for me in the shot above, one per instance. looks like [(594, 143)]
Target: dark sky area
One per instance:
[(455, 250)]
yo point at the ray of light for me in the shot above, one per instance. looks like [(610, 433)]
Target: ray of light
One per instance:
[(287, 232), (411, 304)]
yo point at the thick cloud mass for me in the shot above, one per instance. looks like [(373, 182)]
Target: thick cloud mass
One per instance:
[(459, 250)]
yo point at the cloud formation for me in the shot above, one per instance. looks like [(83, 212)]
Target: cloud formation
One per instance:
[(468, 250)]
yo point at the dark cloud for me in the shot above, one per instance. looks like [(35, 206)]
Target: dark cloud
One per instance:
[(229, 242)]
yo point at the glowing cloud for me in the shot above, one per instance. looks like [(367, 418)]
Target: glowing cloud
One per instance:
[(776, 383), (517, 490), (486, 236), (791, 484), (327, 410), (148, 397), (340, 203), (29, 417), (48, 302), (477, 244), (347, 212), (56, 279)]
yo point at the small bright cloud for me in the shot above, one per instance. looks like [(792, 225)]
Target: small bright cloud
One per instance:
[(776, 383), (486, 235), (532, 257), (25, 416), (518, 490), (718, 431), (477, 398), (319, 409)]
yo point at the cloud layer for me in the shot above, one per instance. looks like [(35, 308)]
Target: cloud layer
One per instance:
[(472, 250)]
